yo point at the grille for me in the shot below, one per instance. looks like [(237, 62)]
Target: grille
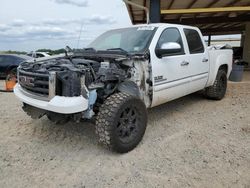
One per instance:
[(34, 82)]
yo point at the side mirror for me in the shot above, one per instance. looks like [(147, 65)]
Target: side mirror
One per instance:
[(169, 48)]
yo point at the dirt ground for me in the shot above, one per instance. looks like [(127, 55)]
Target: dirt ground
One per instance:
[(190, 142)]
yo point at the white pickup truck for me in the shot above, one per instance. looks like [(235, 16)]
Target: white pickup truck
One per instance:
[(121, 74)]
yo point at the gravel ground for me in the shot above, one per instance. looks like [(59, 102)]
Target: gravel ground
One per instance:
[(190, 142)]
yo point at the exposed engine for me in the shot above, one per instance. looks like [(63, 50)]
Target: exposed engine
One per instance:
[(71, 76)]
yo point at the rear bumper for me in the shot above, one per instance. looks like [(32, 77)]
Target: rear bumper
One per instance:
[(58, 104)]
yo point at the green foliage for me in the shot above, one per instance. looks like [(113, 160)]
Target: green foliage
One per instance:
[(12, 52), (49, 51)]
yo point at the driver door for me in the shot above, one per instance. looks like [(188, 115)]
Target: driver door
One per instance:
[(171, 73)]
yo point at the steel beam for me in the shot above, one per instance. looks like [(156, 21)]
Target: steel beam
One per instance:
[(210, 20), (225, 30), (206, 10), (209, 40)]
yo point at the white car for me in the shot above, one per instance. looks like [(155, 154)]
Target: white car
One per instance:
[(38, 54), (121, 74)]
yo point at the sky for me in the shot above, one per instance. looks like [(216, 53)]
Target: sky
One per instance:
[(28, 25)]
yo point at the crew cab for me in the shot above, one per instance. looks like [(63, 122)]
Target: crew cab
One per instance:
[(121, 74)]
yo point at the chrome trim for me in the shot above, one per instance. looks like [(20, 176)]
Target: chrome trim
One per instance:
[(161, 83), (161, 80), (204, 60), (31, 95), (182, 83), (168, 87), (185, 63), (33, 74), (195, 79), (82, 82), (52, 85)]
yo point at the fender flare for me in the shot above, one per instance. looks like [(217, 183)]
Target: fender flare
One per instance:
[(130, 88)]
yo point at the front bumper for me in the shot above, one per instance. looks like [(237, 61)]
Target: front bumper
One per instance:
[(58, 104)]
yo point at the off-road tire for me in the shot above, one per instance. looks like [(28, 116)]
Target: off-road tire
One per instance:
[(112, 122), (218, 90)]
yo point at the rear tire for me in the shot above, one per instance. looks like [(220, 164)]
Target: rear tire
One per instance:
[(218, 90), (121, 122)]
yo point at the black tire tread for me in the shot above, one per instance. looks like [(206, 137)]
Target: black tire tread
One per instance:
[(212, 91), (106, 116)]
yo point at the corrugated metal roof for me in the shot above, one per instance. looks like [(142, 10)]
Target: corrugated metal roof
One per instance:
[(209, 23)]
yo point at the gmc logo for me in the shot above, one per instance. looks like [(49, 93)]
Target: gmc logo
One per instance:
[(27, 81)]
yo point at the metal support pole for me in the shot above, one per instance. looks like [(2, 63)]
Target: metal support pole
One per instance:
[(155, 11), (209, 40)]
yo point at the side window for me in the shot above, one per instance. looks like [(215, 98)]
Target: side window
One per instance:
[(39, 55), (171, 35), (194, 41)]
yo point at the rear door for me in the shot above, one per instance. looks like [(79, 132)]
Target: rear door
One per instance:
[(197, 57)]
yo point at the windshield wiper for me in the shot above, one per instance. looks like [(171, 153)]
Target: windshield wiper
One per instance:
[(117, 49), (89, 49), (84, 50)]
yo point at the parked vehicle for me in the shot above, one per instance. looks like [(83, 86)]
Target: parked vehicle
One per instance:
[(38, 54), (121, 74), (9, 63)]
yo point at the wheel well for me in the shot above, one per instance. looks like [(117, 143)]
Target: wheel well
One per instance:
[(10, 68), (130, 88), (224, 67)]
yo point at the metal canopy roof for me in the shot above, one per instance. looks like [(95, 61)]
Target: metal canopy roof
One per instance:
[(211, 16)]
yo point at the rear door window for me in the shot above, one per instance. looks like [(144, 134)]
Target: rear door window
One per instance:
[(194, 41)]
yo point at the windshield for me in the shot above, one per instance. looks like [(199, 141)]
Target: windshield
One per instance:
[(135, 39)]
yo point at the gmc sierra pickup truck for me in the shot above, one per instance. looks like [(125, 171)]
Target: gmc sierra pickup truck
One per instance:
[(121, 74)]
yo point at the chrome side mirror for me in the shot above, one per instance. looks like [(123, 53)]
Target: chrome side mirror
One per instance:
[(169, 48)]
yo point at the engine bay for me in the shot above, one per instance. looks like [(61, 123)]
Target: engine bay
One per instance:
[(93, 77), (70, 71)]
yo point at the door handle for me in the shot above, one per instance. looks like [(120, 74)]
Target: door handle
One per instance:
[(204, 60), (185, 63)]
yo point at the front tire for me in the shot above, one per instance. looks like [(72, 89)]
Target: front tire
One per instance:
[(218, 90), (121, 122)]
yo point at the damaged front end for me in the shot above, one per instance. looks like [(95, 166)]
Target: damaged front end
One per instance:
[(75, 86)]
